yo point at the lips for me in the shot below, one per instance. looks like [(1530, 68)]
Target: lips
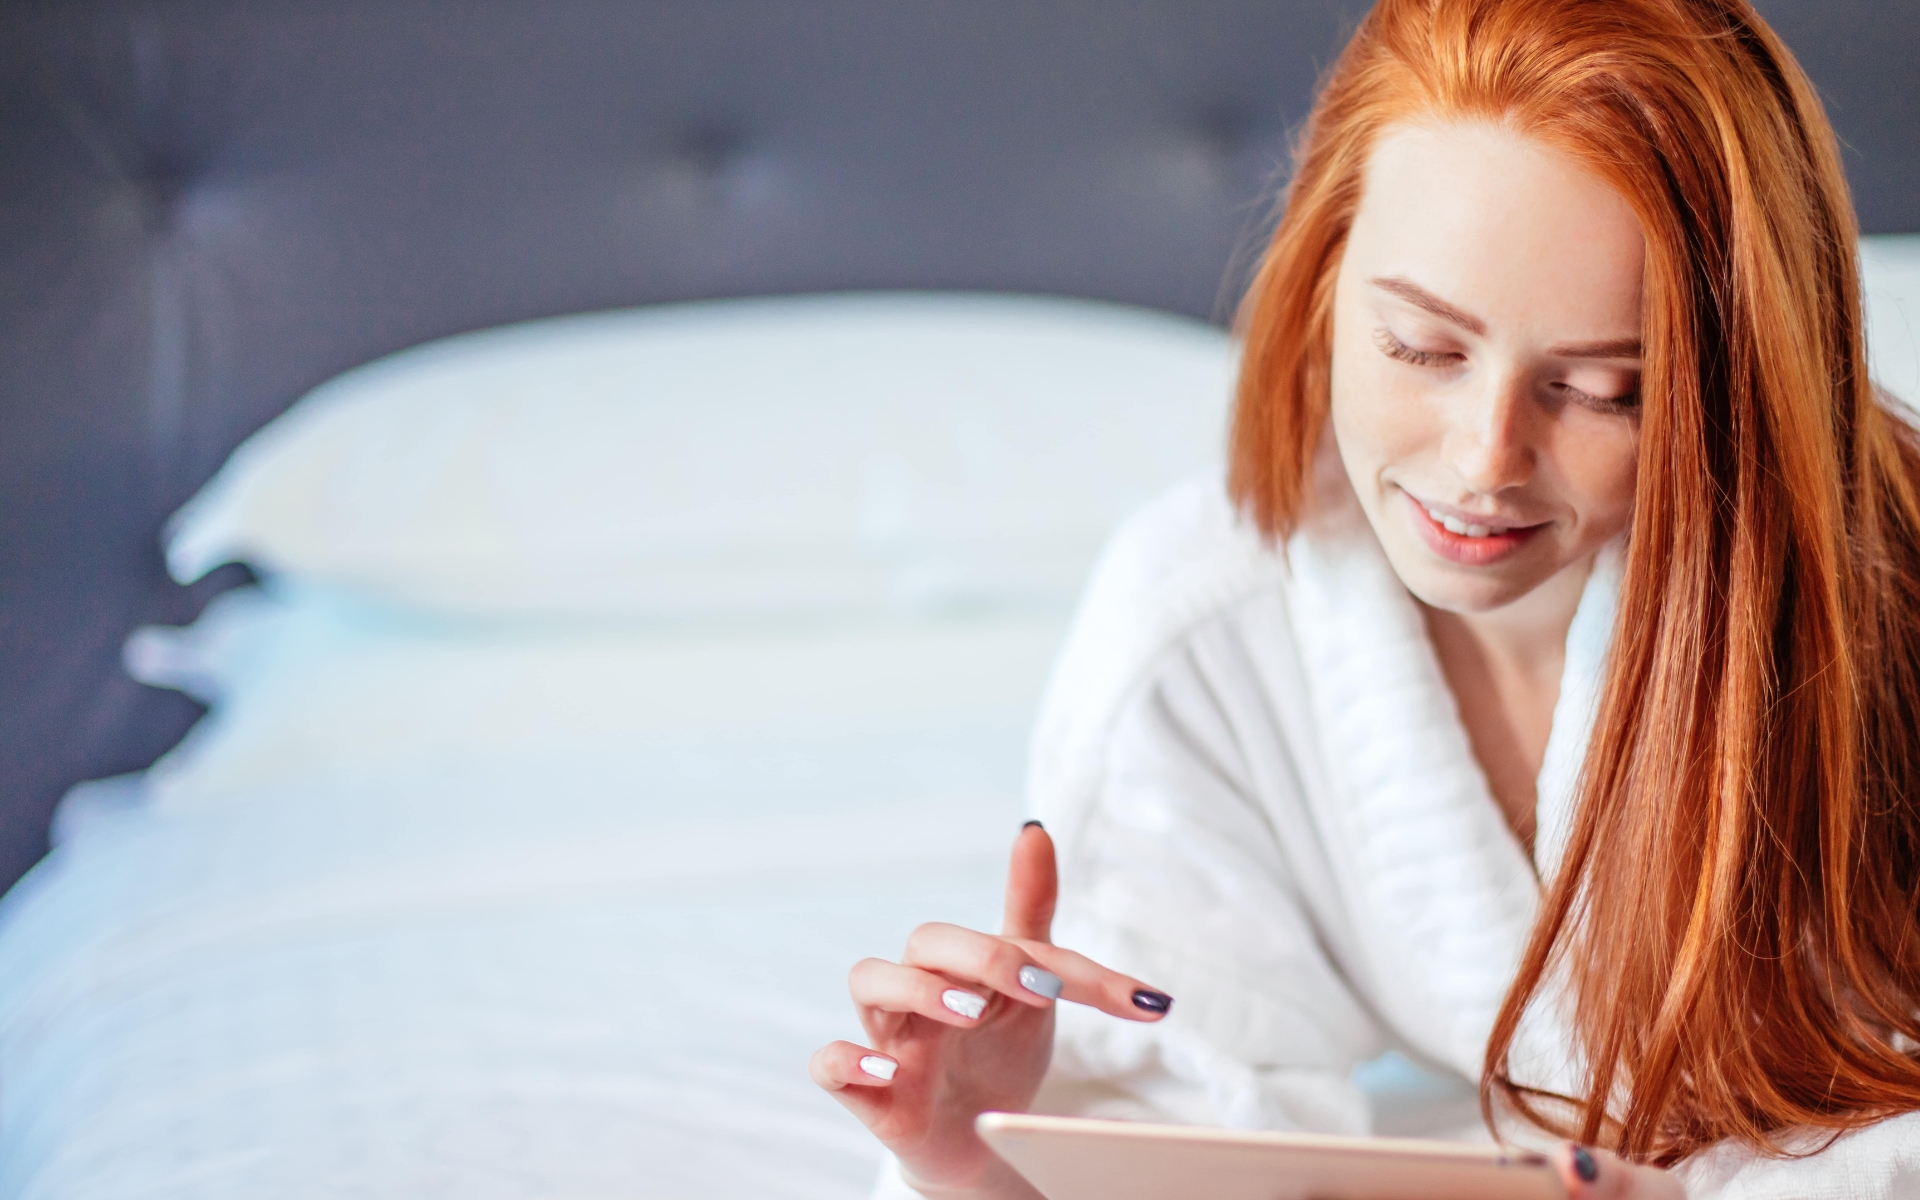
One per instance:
[(1464, 541)]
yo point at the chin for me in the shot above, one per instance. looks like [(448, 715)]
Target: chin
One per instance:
[(1465, 590)]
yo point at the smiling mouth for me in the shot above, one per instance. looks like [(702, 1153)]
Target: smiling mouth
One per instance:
[(1466, 542)]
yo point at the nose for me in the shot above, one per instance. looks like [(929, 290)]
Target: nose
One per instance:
[(1490, 438)]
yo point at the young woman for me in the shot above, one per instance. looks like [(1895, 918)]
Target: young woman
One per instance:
[(1541, 702)]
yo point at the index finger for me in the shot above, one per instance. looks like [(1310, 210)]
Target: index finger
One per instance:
[(1033, 885)]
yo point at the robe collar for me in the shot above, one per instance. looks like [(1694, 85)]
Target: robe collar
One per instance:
[(1445, 886)]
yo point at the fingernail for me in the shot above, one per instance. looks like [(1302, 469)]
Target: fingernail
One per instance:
[(1032, 825), (1153, 1002), (1041, 982), (879, 1068), (1584, 1164), (966, 1004)]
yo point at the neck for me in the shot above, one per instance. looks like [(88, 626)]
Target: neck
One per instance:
[(1504, 668)]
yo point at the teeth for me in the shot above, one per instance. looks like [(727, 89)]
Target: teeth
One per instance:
[(1460, 528)]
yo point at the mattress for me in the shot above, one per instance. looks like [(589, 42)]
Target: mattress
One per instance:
[(590, 969)]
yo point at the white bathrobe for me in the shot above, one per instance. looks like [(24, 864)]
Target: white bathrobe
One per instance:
[(1265, 804)]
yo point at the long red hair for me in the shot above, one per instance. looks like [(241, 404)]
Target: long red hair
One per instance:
[(1734, 921)]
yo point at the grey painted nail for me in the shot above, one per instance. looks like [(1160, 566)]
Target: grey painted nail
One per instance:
[(1041, 982), (1032, 825), (966, 1004), (879, 1068), (1151, 1001)]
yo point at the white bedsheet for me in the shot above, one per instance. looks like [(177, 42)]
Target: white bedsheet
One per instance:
[(508, 974)]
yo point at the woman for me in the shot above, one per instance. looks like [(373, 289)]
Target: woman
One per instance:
[(1540, 705)]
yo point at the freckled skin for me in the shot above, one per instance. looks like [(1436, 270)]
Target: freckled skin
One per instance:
[(1543, 254)]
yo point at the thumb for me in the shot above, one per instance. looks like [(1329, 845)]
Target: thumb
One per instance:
[(1033, 883)]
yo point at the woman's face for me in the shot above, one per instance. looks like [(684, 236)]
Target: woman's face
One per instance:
[(1486, 362)]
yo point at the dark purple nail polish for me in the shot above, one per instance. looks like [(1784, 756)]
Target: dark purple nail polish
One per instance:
[(1033, 825), (1584, 1165), (1153, 1002)]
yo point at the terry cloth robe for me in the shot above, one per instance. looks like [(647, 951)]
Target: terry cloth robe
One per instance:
[(1265, 803)]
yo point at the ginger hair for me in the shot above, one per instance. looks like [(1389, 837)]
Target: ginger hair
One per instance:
[(1733, 928)]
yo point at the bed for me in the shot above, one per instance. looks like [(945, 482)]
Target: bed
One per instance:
[(669, 442)]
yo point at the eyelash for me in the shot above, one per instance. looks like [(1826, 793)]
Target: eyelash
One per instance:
[(1393, 347), (1601, 404)]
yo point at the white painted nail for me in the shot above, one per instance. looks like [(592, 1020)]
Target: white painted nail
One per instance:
[(1041, 982), (879, 1068), (966, 1004)]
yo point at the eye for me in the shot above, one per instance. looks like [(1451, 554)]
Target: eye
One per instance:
[(1393, 347), (1628, 403)]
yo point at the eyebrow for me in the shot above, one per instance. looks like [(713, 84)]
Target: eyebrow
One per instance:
[(1615, 348), (1421, 298)]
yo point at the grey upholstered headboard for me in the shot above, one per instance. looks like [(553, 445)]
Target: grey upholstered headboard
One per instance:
[(208, 206)]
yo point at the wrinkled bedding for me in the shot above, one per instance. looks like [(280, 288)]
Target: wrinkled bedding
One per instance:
[(589, 970)]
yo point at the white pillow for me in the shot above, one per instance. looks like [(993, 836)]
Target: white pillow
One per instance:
[(325, 691), (748, 456), (1890, 273)]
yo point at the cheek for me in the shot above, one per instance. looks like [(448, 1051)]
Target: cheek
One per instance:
[(1379, 416), (1601, 464)]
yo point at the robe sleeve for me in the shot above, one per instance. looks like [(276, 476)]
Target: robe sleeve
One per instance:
[(1162, 766), (1172, 873), (1152, 773), (1879, 1162), (1175, 871)]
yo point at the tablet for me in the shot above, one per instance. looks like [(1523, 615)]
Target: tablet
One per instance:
[(1070, 1158)]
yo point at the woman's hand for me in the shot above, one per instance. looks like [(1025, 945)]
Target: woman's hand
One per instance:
[(1598, 1175), (963, 1024)]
